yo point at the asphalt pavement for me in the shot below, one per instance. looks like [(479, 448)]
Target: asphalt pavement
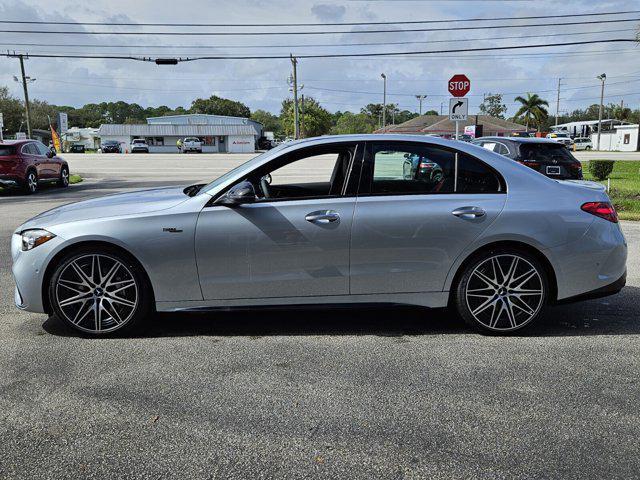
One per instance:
[(362, 393)]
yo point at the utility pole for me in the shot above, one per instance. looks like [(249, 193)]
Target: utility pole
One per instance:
[(302, 131), (602, 78), (296, 117), (558, 102), (420, 98), (26, 91), (384, 101)]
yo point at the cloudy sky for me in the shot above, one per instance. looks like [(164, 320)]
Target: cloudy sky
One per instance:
[(339, 84)]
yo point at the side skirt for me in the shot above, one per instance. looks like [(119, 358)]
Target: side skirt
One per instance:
[(424, 299)]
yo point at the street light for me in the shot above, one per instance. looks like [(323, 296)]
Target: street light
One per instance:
[(602, 77), (384, 102), (420, 98)]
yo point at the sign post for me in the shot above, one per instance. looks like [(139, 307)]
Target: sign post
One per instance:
[(1, 127), (459, 85)]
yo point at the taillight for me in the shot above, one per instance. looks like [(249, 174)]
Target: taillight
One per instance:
[(575, 166), (530, 163), (601, 209)]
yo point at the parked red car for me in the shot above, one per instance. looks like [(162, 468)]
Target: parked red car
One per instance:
[(26, 164)]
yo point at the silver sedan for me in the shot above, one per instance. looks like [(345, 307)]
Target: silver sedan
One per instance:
[(347, 219)]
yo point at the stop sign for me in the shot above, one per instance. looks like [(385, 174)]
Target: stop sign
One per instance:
[(459, 85)]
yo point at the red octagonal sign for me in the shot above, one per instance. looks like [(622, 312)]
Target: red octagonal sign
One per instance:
[(459, 85)]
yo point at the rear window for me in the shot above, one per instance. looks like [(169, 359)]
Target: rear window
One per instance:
[(7, 150), (546, 152)]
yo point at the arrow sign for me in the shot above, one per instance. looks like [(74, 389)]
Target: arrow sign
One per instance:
[(458, 109)]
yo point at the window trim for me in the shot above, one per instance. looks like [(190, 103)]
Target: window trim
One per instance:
[(349, 188), (366, 176)]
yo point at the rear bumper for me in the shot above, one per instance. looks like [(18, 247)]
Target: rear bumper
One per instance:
[(605, 291), (9, 181)]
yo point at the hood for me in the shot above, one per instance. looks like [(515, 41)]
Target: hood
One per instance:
[(131, 203)]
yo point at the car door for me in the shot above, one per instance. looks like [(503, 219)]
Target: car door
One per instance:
[(407, 233), (51, 164), (294, 240), (32, 155)]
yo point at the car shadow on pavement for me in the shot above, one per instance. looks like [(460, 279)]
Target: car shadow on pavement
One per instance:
[(616, 315)]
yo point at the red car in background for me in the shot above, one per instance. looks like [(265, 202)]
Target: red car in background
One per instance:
[(25, 164)]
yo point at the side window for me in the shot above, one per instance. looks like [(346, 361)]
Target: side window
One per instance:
[(412, 169), (429, 169), (501, 149), (42, 150), (30, 149), (308, 173), (475, 176)]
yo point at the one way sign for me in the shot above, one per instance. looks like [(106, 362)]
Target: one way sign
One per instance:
[(458, 108)]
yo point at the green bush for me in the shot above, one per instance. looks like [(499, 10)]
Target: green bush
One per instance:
[(601, 169)]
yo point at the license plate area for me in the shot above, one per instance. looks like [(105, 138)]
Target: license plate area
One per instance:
[(553, 170)]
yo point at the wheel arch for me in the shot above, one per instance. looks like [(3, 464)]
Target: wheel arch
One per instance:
[(515, 244), (102, 244)]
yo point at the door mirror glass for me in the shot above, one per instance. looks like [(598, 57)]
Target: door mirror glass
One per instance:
[(243, 192)]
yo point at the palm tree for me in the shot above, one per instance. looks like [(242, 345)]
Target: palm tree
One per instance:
[(532, 109)]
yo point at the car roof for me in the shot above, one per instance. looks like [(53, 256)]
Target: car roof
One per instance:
[(17, 142), (520, 139)]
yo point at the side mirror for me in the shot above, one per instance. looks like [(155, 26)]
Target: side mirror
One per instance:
[(51, 153), (243, 192)]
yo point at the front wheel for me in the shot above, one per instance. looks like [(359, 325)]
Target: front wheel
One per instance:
[(98, 291), (587, 148), (501, 291)]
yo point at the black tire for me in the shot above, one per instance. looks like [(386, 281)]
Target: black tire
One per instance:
[(30, 185), (63, 181), (587, 148), (83, 320), (505, 307)]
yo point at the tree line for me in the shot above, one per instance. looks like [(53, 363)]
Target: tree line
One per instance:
[(315, 120)]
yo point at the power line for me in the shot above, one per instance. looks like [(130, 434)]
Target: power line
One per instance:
[(326, 32), (333, 55), (398, 22), (289, 46)]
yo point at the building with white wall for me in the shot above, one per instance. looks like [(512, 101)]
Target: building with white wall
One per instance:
[(623, 138), (218, 133)]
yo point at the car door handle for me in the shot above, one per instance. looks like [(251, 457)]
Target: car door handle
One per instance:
[(469, 212), (323, 217)]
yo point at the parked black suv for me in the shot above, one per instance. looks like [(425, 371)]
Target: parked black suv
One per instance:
[(548, 157)]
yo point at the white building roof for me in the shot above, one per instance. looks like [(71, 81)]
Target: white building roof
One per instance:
[(167, 130)]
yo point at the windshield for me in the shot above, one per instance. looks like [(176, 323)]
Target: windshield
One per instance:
[(244, 166), (7, 150), (545, 152)]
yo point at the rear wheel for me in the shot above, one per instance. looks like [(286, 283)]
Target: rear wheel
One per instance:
[(587, 148), (63, 181), (30, 182), (501, 291), (98, 291)]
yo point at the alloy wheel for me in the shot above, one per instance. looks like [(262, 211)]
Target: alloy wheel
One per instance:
[(97, 293), (504, 292), (32, 182), (64, 177)]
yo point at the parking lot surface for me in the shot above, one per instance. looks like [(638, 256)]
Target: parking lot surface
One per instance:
[(362, 393)]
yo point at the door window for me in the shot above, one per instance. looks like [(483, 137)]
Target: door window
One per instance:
[(308, 173), (428, 169), (41, 149), (30, 149)]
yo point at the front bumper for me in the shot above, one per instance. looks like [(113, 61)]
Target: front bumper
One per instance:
[(29, 270)]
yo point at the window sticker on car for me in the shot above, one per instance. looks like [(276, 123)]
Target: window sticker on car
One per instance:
[(489, 146)]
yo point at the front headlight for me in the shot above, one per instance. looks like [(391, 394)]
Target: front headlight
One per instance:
[(32, 238)]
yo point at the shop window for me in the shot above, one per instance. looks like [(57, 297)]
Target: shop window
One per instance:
[(209, 140)]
